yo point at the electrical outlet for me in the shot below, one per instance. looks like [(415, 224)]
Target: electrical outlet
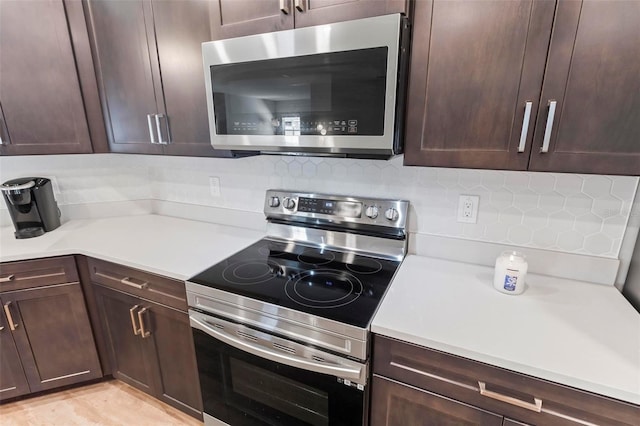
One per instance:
[(214, 186), (468, 208)]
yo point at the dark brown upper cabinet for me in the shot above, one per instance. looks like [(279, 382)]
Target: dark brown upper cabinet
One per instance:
[(525, 85), (149, 65), (233, 18), (48, 93), (593, 76)]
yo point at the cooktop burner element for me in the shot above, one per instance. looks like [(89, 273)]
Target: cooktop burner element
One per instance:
[(365, 265), (323, 288), (317, 257), (251, 272)]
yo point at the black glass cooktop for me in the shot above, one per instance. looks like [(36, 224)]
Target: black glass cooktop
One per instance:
[(339, 286)]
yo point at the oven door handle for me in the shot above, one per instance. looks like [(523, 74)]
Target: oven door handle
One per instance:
[(342, 371)]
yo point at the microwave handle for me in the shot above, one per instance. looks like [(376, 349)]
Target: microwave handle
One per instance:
[(282, 358)]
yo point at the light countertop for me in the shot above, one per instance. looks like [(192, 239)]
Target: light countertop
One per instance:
[(175, 248), (574, 333), (579, 334)]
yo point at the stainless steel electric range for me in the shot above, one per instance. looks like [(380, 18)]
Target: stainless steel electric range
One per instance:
[(281, 328)]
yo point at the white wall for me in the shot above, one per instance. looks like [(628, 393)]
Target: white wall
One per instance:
[(581, 214)]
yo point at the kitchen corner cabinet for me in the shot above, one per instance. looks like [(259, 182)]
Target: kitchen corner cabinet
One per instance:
[(416, 385), (45, 332), (233, 18), (48, 94), (148, 334), (149, 65), (525, 85)]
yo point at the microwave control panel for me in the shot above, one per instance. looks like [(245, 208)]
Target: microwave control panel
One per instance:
[(293, 126)]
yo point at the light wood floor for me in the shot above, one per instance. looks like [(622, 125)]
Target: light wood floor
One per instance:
[(106, 403)]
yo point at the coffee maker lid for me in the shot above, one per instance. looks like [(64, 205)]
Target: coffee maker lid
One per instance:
[(18, 184)]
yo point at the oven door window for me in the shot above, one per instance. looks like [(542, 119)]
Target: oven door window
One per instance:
[(338, 93), (242, 389)]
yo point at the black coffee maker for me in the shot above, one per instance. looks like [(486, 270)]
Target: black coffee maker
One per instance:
[(32, 206)]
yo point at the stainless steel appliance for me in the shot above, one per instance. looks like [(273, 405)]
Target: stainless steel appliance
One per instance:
[(334, 89), (32, 206), (281, 328)]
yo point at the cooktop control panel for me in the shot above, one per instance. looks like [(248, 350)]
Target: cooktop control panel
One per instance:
[(336, 208)]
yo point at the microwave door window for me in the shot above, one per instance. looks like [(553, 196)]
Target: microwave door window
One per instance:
[(339, 93)]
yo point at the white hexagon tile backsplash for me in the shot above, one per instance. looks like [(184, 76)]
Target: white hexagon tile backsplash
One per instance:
[(584, 214)]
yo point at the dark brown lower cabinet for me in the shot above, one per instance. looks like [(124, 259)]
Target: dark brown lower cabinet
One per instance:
[(150, 347), (397, 404), (413, 385), (47, 340), (13, 382)]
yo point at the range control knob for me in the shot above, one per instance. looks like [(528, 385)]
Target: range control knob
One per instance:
[(392, 214), (371, 212), (274, 202), (289, 203)]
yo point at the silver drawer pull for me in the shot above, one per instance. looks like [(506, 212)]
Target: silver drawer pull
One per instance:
[(7, 311), (7, 278), (536, 406), (150, 123), (284, 6), (136, 330), (143, 332), (525, 126), (127, 281), (549, 127), (299, 5)]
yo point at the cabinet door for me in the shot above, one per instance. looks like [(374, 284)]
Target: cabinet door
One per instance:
[(53, 335), (171, 334), (318, 12), (233, 18), (181, 28), (128, 72), (592, 75), (475, 66), (129, 352), (13, 382), (395, 404), (42, 104)]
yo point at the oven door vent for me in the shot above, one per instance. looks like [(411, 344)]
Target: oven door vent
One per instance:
[(317, 358), (247, 336), (284, 348)]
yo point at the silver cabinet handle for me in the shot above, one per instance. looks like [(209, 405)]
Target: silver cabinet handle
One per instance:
[(127, 281), (547, 130), (344, 371), (299, 5), (136, 330), (7, 278), (143, 332), (7, 312), (525, 126), (284, 6), (535, 406), (161, 141), (152, 136)]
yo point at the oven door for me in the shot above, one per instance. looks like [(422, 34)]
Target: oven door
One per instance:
[(248, 377)]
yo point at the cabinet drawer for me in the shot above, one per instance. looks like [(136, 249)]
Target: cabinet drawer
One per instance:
[(511, 394), (139, 283), (37, 273)]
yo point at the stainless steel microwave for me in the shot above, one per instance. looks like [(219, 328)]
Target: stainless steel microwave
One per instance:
[(334, 89)]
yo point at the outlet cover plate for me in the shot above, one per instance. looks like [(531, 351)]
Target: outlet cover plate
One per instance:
[(214, 186), (468, 208)]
